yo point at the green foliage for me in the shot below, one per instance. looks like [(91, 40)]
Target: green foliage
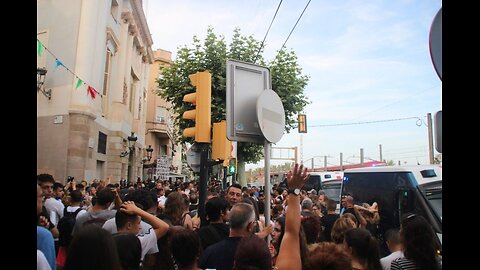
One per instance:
[(212, 55)]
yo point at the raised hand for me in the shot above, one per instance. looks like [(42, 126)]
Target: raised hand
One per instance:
[(298, 177)]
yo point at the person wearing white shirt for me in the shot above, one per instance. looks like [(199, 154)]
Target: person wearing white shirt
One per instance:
[(392, 238), (128, 220)]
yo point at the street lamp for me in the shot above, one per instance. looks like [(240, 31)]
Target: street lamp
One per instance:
[(149, 152), (131, 145), (41, 73)]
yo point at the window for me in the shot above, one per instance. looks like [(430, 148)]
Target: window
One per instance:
[(133, 90), (102, 143), (106, 74), (160, 115)]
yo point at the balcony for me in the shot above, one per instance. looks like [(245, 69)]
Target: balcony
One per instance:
[(161, 127)]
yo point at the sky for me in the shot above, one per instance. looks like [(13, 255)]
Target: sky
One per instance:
[(372, 81)]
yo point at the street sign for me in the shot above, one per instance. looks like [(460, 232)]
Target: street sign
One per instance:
[(245, 83), (271, 115), (436, 43), (193, 159)]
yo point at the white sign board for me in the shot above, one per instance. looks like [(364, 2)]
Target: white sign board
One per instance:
[(271, 116), (245, 83), (163, 168)]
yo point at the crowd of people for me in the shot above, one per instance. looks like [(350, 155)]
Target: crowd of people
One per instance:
[(155, 225)]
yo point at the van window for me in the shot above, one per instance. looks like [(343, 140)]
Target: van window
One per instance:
[(332, 191), (313, 182), (380, 187), (435, 200)]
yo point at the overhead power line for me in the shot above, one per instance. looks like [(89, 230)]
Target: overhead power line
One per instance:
[(295, 25), (366, 122), (263, 41)]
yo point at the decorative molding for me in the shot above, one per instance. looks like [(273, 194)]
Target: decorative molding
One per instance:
[(127, 17), (125, 93), (113, 38)]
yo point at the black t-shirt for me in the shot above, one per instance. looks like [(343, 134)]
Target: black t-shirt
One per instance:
[(327, 222), (220, 256), (213, 233)]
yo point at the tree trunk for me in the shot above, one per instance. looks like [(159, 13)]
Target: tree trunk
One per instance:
[(241, 177)]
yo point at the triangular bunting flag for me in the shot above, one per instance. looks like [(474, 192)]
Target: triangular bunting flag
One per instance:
[(91, 91), (58, 63), (39, 48), (79, 82)]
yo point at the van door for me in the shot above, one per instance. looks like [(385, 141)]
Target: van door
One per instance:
[(405, 204)]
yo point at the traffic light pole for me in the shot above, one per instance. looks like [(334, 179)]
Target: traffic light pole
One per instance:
[(267, 148), (203, 182)]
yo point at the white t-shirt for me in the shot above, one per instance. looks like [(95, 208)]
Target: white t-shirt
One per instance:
[(161, 200), (42, 263), (111, 227), (55, 209), (71, 209), (148, 241), (387, 261)]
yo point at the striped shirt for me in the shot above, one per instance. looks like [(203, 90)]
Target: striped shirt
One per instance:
[(403, 264)]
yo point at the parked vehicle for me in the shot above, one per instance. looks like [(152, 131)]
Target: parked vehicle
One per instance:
[(330, 182), (398, 190)]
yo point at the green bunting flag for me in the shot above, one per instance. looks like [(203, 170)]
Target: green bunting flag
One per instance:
[(79, 82), (39, 48)]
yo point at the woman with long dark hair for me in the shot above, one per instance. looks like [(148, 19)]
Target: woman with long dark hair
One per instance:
[(418, 241)]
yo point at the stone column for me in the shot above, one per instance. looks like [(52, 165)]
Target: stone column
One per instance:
[(77, 147)]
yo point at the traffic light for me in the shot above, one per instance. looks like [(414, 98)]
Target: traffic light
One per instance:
[(232, 169), (202, 99), (221, 146), (302, 123)]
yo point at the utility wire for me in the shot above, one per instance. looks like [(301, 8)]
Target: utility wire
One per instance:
[(261, 45), (294, 26), (366, 122)]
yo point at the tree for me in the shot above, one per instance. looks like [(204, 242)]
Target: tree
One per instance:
[(287, 81)]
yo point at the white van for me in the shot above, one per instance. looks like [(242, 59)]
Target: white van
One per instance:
[(399, 190)]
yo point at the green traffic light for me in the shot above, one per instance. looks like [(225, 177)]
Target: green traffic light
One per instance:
[(231, 169)]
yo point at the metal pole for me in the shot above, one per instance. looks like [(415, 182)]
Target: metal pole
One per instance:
[(430, 137), (361, 156), (267, 149), (313, 166), (130, 165), (325, 162), (224, 182), (301, 150), (380, 149), (341, 161), (203, 183), (295, 150)]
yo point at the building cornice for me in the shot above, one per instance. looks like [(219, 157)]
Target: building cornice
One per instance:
[(144, 31)]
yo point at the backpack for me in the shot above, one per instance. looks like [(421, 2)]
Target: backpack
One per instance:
[(65, 226)]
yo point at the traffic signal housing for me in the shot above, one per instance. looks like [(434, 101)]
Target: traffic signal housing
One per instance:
[(202, 99), (302, 123), (221, 146), (232, 169)]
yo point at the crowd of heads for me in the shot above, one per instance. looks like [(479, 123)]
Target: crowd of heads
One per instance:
[(327, 240)]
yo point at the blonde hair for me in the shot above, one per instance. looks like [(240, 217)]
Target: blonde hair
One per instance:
[(340, 227)]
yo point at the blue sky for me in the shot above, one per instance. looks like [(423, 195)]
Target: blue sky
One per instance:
[(367, 61)]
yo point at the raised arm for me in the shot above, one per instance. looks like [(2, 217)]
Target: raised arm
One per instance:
[(289, 254), (159, 226)]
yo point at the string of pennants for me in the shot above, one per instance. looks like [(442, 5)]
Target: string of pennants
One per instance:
[(90, 90)]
